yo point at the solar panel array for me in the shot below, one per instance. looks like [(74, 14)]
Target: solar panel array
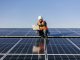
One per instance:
[(30, 32), (57, 49)]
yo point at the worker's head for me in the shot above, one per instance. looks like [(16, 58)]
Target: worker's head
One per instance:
[(40, 18)]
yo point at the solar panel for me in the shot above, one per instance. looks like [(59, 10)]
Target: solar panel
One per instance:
[(75, 29), (18, 34), (61, 46), (24, 46), (63, 57), (30, 32), (3, 33), (23, 57), (57, 49)]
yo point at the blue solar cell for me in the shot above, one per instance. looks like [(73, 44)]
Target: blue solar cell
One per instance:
[(30, 32), (23, 57), (55, 46), (1, 56), (35, 57), (18, 34), (76, 41), (6, 44), (61, 46), (25, 46), (63, 57), (3, 33), (76, 29)]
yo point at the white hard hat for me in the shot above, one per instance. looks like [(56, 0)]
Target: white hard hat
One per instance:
[(40, 17)]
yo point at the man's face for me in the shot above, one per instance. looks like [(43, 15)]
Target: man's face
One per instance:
[(40, 20)]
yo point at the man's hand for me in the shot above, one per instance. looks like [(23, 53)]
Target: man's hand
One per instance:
[(36, 32)]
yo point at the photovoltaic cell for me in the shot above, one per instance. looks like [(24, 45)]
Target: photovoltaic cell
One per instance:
[(55, 46), (75, 29), (1, 56), (18, 34), (30, 32), (4, 33), (61, 46), (25, 46), (23, 57), (63, 57), (6, 44), (36, 57), (76, 41)]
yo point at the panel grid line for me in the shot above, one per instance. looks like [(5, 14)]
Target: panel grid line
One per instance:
[(39, 37), (41, 54)]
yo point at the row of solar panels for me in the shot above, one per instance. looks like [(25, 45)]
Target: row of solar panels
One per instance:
[(55, 46)]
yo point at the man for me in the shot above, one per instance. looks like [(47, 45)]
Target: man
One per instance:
[(43, 29)]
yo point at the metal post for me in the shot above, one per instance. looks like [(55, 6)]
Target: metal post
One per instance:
[(45, 49)]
